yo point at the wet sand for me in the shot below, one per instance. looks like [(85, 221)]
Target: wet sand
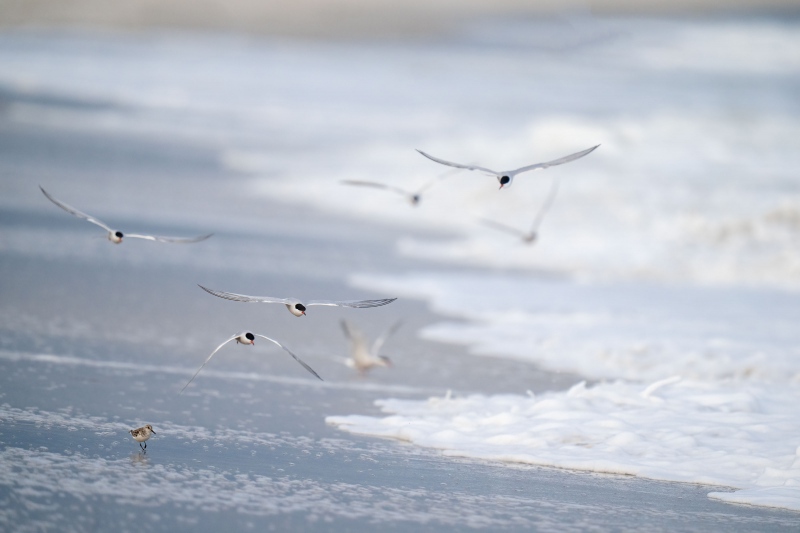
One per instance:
[(97, 339)]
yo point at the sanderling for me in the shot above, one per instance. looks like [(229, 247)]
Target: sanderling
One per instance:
[(505, 177), (141, 435), (116, 236), (295, 306)]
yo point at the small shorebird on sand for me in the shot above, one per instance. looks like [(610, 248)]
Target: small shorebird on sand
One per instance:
[(141, 435)]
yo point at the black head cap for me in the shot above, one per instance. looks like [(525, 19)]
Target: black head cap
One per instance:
[(504, 180), (249, 336), (300, 307), (118, 234)]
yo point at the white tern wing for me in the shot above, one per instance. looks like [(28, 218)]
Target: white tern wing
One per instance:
[(80, 214), (545, 206), (244, 298), (181, 240), (457, 165), (355, 303), (554, 162), (375, 185), (358, 344), (378, 344), (290, 353), (503, 227), (207, 360)]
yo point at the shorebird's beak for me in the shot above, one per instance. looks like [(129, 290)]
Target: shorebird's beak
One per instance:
[(304, 313), (153, 431)]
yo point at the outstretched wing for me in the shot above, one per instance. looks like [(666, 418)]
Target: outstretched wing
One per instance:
[(374, 185), (207, 360), (457, 165), (548, 202), (356, 303), (554, 162), (182, 240), (428, 184), (503, 227), (358, 343), (290, 353), (378, 344), (72, 211), (244, 298), (351, 332)]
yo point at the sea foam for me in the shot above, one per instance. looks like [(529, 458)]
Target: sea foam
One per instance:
[(742, 436)]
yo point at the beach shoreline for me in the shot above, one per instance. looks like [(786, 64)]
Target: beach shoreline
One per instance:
[(188, 136)]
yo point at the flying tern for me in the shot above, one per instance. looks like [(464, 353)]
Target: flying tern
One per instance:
[(364, 356), (505, 177), (295, 306), (413, 197), (245, 337), (528, 237), (116, 236)]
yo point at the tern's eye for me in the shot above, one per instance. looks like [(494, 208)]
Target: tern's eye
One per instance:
[(118, 234), (250, 336), (300, 307)]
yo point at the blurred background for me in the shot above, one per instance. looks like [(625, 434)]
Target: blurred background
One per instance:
[(694, 108), (339, 18)]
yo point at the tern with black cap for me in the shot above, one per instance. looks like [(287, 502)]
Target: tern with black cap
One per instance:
[(505, 177), (295, 306), (116, 236), (246, 337)]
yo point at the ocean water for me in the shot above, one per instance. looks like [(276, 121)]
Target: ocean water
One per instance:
[(649, 334)]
